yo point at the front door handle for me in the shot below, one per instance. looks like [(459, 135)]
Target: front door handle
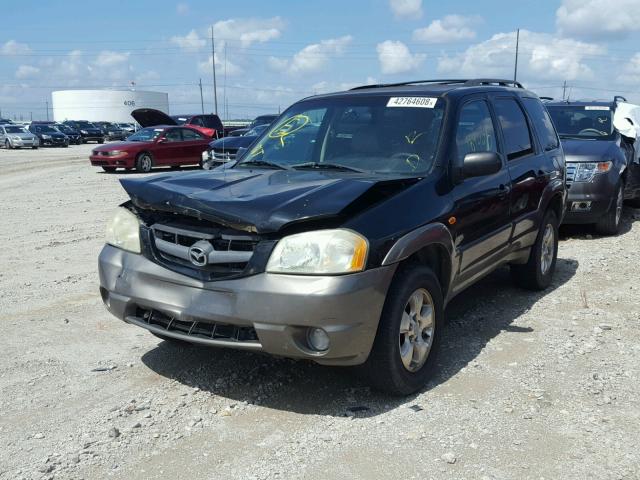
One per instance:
[(504, 190)]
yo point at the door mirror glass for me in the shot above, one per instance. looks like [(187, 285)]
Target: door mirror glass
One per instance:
[(480, 164), (241, 151)]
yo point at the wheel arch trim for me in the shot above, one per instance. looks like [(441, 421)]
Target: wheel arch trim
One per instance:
[(410, 243)]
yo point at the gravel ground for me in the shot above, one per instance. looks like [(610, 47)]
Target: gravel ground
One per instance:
[(531, 386)]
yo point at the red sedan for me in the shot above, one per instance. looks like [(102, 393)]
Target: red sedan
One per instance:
[(164, 145)]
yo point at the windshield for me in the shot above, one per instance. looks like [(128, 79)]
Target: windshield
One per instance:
[(255, 131), (180, 120), (15, 130), (85, 125), (361, 133), (263, 120), (46, 129), (589, 122), (145, 135), (64, 128)]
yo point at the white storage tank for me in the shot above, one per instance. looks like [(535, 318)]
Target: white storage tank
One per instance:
[(104, 105)]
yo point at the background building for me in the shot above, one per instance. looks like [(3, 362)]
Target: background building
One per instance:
[(106, 105)]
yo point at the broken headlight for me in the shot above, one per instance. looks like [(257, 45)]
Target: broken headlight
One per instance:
[(586, 172), (123, 231), (322, 252)]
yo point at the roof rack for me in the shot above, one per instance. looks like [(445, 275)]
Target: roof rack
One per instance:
[(464, 82), (547, 99)]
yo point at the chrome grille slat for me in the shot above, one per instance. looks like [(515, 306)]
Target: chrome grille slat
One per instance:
[(571, 173)]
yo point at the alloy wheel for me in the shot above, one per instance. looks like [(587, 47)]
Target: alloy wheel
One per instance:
[(547, 249), (416, 330)]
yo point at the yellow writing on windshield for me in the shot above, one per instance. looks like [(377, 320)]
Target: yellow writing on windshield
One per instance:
[(290, 126)]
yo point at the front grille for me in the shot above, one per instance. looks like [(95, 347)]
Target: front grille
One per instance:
[(198, 329), (571, 173), (227, 252), (224, 155)]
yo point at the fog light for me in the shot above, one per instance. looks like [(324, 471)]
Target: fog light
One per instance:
[(318, 339)]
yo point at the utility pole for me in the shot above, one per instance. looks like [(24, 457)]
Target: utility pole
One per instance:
[(564, 90), (515, 71), (213, 63), (47, 104), (31, 116), (201, 98)]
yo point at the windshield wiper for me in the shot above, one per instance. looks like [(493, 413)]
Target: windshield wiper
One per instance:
[(263, 163), (326, 166)]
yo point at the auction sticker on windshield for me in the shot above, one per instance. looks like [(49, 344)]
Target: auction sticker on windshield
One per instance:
[(417, 102), (596, 107)]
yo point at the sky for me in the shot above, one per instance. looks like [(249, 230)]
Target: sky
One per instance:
[(271, 53)]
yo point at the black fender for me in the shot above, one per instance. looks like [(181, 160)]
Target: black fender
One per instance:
[(555, 188), (421, 237)]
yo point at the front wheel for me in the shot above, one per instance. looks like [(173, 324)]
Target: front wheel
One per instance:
[(34, 148), (109, 169), (537, 273), (404, 352), (610, 223), (7, 145), (144, 163)]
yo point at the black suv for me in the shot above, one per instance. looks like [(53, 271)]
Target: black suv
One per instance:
[(89, 132), (602, 162), (48, 135), (74, 136), (111, 131), (341, 235)]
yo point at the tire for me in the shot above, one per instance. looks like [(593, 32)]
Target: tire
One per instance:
[(7, 145), (609, 224), (398, 332), (173, 341), (144, 162), (34, 148), (109, 169), (537, 273), (100, 141)]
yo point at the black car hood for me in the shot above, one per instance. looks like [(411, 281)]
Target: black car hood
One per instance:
[(257, 200), (233, 142), (150, 117), (588, 150)]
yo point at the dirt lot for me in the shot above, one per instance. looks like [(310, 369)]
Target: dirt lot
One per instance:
[(532, 386)]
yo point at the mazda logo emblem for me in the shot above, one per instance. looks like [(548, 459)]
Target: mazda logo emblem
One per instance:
[(199, 253)]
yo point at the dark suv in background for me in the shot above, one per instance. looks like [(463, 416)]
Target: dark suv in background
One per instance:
[(74, 135), (111, 131), (602, 164), (89, 132), (48, 135), (341, 235)]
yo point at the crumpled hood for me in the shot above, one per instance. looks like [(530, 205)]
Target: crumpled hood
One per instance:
[(588, 150), (256, 200)]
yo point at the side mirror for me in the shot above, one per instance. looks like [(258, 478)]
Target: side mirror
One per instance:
[(481, 164)]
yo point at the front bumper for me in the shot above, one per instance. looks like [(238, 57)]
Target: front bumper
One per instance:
[(588, 202), (280, 308), (22, 143), (54, 142), (124, 161)]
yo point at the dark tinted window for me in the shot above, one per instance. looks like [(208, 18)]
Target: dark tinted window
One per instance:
[(475, 131), (517, 137), (188, 134), (212, 121), (173, 135), (542, 123), (590, 121), (197, 121)]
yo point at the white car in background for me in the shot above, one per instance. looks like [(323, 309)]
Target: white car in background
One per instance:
[(16, 136)]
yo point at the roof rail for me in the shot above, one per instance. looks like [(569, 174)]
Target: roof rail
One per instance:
[(547, 99), (464, 82), (619, 98)]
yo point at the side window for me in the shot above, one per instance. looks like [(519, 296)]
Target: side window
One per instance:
[(173, 135), (475, 131), (542, 123), (517, 137), (211, 121), (197, 121), (190, 135)]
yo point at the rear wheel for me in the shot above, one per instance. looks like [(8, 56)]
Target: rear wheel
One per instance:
[(537, 273), (144, 163), (34, 148), (109, 169), (404, 352), (610, 223)]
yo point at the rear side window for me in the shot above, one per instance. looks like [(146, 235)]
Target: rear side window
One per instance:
[(197, 121), (188, 134), (212, 121), (542, 123), (475, 131), (517, 137)]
